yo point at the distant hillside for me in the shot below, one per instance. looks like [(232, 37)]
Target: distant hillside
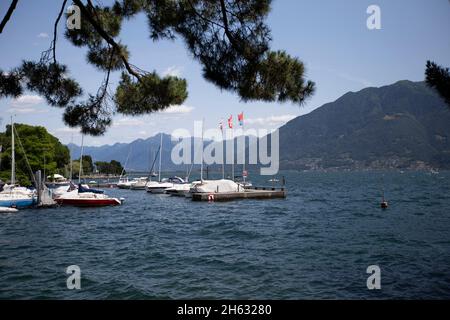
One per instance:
[(141, 155), (404, 125)]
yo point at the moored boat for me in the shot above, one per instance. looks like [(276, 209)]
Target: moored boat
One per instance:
[(17, 198), (160, 187), (216, 186), (139, 183), (87, 199), (181, 190), (8, 210), (125, 183), (12, 195)]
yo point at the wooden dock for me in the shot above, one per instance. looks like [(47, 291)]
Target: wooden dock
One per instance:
[(250, 193)]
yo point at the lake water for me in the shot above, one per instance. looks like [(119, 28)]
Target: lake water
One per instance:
[(315, 244)]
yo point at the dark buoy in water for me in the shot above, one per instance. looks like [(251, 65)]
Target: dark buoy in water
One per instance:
[(384, 203)]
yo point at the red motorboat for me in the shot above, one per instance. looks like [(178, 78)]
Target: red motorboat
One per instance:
[(86, 199)]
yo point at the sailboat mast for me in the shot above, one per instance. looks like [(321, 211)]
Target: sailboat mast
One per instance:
[(160, 156), (223, 153), (232, 163), (13, 155), (201, 166), (71, 164), (81, 159)]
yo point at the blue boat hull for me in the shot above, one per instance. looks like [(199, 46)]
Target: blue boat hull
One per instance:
[(17, 203)]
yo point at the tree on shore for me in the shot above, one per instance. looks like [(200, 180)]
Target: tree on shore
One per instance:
[(438, 77), (229, 38), (88, 166), (35, 149), (111, 168)]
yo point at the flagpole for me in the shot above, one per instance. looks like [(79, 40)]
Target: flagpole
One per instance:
[(71, 163), (232, 163), (201, 166), (81, 159), (223, 153), (243, 149)]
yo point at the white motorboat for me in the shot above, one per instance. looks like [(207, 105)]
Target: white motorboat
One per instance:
[(216, 186), (56, 180), (181, 190), (8, 210), (125, 183), (166, 183), (139, 183)]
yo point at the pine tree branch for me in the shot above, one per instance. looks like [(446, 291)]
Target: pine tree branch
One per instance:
[(55, 30), (106, 37), (226, 26), (8, 15)]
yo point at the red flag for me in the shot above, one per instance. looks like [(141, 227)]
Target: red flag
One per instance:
[(241, 118), (230, 122)]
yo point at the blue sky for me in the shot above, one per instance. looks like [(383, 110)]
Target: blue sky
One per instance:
[(340, 53)]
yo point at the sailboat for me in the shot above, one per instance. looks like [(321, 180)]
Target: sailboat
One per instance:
[(141, 183), (124, 182), (162, 184), (83, 196), (12, 195)]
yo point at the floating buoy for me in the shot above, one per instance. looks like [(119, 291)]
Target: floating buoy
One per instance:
[(210, 197)]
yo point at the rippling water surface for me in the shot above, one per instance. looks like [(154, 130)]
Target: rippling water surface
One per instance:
[(315, 244)]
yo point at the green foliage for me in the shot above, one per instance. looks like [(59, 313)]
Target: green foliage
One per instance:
[(10, 85), (150, 94), (230, 38), (42, 150), (438, 78), (113, 167), (106, 58), (92, 116), (88, 166), (51, 81)]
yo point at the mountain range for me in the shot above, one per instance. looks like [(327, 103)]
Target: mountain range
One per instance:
[(403, 125)]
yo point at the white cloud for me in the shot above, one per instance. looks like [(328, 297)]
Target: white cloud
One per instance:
[(173, 71), (128, 122), (66, 130), (271, 121), (42, 35), (362, 81), (25, 104), (25, 110), (180, 109), (26, 101)]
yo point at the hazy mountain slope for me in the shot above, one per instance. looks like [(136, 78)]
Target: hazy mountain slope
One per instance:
[(400, 125)]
